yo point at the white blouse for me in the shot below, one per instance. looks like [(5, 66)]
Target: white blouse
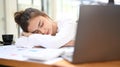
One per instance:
[(66, 33)]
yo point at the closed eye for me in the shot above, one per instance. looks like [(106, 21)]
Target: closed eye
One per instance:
[(37, 31), (41, 24)]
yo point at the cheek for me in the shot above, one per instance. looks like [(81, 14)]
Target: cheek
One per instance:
[(49, 26), (46, 24)]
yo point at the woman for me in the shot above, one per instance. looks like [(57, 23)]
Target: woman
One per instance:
[(40, 30)]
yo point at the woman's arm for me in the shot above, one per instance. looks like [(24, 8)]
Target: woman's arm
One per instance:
[(23, 41), (66, 34)]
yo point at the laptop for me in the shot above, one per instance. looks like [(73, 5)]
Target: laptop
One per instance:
[(98, 34)]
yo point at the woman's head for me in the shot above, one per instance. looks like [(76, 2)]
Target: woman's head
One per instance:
[(34, 21)]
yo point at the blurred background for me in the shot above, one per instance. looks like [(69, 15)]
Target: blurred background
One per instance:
[(56, 9)]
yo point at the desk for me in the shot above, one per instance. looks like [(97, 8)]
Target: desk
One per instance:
[(64, 63), (61, 63)]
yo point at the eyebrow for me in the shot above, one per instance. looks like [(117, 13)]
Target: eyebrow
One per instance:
[(37, 28)]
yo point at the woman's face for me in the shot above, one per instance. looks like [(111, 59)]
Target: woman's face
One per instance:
[(42, 25)]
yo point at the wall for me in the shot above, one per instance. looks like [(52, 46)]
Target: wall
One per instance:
[(10, 9), (2, 19)]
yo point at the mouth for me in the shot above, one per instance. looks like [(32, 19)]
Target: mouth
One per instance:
[(47, 32)]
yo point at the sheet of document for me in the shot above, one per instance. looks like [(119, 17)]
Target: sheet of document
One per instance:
[(17, 53), (12, 52)]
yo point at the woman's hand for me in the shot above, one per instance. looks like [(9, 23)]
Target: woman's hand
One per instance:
[(69, 44), (26, 34)]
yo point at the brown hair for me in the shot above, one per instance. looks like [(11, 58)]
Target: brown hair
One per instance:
[(22, 17)]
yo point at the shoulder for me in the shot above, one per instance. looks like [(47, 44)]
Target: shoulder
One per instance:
[(66, 21)]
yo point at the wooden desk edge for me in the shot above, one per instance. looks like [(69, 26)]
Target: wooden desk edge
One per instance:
[(61, 63), (64, 63)]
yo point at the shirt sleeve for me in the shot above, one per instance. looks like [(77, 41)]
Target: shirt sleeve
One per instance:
[(66, 33), (24, 42)]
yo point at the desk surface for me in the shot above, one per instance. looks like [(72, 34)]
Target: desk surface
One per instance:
[(61, 63), (64, 63)]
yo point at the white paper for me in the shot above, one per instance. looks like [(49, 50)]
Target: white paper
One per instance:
[(15, 53)]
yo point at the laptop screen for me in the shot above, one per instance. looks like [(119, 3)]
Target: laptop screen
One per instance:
[(98, 34)]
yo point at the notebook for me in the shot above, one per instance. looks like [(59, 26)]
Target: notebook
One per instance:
[(98, 34)]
